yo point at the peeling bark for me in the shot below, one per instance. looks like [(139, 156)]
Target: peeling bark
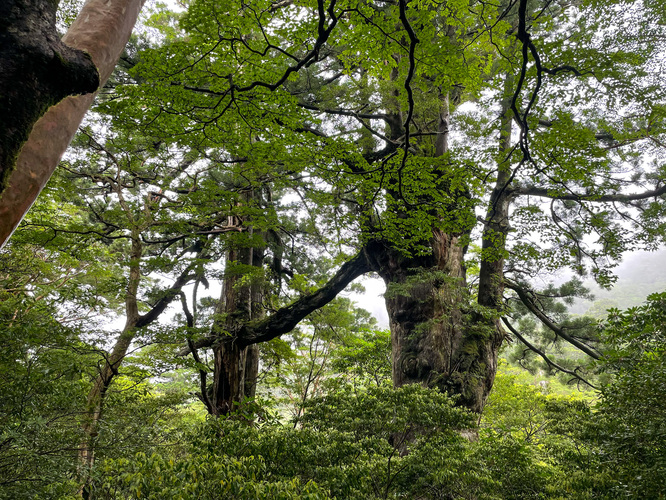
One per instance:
[(37, 70), (101, 29)]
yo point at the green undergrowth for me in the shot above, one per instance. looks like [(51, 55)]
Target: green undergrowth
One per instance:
[(371, 443)]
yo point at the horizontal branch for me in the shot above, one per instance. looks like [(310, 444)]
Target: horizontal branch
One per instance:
[(344, 112), (287, 318), (605, 198)]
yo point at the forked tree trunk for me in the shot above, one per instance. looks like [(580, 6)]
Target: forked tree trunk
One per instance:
[(437, 339)]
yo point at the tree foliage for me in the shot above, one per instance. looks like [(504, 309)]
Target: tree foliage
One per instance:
[(273, 152), (631, 412)]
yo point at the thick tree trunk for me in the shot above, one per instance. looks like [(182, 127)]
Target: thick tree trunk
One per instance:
[(228, 378), (437, 340), (235, 366), (37, 70), (101, 29), (251, 371), (434, 340)]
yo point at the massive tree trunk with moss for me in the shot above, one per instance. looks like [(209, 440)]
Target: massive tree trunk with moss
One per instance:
[(401, 181), (437, 339), (29, 48)]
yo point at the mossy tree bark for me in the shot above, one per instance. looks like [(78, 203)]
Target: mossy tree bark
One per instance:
[(439, 337), (437, 340)]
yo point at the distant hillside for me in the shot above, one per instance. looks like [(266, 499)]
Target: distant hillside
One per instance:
[(639, 275)]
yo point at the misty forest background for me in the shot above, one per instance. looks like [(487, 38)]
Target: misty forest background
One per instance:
[(179, 310)]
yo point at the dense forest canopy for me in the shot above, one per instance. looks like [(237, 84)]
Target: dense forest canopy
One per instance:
[(274, 152)]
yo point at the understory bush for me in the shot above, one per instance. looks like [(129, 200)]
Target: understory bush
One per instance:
[(372, 443)]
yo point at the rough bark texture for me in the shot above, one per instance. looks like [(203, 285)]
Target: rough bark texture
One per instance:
[(437, 339), (37, 70), (235, 366), (102, 30), (251, 371), (434, 340), (257, 312)]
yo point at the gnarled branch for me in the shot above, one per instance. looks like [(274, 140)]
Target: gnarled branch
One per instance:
[(286, 318), (195, 354), (524, 297)]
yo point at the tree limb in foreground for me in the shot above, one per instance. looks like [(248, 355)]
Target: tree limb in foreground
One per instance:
[(38, 70), (101, 29)]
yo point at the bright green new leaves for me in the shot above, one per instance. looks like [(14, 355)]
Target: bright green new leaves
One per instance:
[(365, 359), (351, 444), (197, 477), (323, 99), (319, 86), (322, 354)]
